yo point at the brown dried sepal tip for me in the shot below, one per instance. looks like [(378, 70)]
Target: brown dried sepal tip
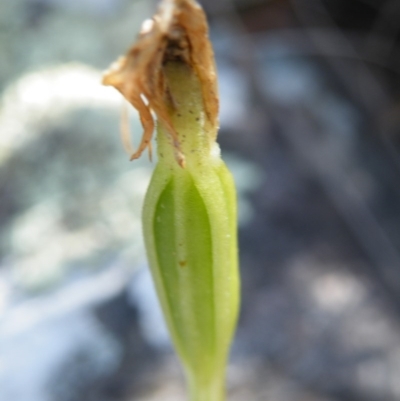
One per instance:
[(178, 31)]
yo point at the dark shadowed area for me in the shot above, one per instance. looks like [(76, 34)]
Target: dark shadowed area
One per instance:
[(310, 127)]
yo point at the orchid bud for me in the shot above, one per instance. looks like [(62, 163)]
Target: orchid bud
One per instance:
[(189, 214)]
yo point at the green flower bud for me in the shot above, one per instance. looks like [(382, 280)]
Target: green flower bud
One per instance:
[(189, 222), (189, 215)]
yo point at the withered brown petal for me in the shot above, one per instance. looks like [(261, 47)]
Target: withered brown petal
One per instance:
[(179, 30)]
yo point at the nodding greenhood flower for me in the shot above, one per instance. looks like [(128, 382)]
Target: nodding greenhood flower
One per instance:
[(189, 215)]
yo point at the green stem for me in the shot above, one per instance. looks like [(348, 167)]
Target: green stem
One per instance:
[(211, 390)]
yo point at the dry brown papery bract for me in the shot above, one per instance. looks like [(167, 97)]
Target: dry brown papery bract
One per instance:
[(179, 31)]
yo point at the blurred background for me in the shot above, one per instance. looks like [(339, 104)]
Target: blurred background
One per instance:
[(310, 127)]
